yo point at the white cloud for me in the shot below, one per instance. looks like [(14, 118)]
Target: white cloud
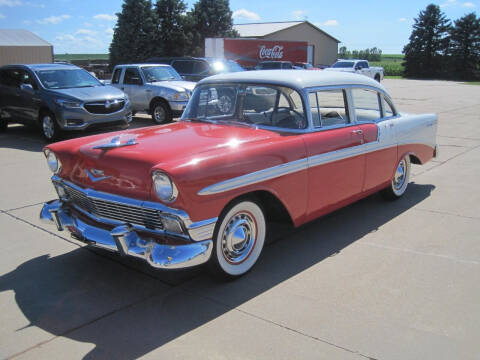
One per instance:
[(10, 3), (53, 19), (107, 17), (245, 14), (87, 24), (65, 37), (448, 3), (27, 22), (109, 31), (402, 19), (85, 32), (298, 14), (468, 5), (2, 16), (32, 4), (330, 23)]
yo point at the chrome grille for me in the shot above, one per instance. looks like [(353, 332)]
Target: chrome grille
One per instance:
[(149, 218), (105, 107)]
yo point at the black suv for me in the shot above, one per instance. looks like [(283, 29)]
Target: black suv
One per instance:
[(274, 65), (195, 68)]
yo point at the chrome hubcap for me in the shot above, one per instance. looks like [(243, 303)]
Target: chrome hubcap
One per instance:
[(159, 114), (399, 178), (239, 238), (48, 126), (225, 104)]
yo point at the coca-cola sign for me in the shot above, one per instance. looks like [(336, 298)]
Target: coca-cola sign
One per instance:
[(275, 52)]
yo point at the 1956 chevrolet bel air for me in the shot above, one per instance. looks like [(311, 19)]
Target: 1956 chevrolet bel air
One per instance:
[(250, 146)]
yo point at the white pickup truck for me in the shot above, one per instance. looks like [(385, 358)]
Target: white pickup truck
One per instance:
[(359, 67), (156, 89)]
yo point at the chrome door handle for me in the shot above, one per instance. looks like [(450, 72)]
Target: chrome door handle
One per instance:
[(358, 132)]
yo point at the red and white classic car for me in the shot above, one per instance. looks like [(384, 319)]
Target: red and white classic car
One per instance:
[(250, 147)]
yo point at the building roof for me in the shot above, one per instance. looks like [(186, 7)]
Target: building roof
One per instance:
[(20, 37), (264, 29), (297, 79)]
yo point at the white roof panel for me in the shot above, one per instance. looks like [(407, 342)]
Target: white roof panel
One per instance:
[(262, 29), (20, 37)]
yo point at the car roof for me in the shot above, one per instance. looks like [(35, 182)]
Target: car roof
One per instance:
[(54, 66), (297, 79), (144, 64)]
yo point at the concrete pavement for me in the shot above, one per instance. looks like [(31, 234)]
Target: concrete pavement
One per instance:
[(375, 280)]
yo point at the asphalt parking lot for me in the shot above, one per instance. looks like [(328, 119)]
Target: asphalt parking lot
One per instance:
[(375, 280)]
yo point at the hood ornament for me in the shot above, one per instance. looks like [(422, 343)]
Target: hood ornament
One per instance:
[(115, 143)]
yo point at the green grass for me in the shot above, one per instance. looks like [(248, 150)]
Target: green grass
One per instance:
[(393, 77), (70, 57), (472, 83)]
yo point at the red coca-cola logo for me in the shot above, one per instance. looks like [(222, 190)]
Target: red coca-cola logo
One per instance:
[(275, 52)]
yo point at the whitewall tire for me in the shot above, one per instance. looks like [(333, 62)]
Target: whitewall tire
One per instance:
[(238, 240), (400, 180)]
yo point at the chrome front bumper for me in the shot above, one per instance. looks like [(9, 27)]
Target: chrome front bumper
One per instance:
[(130, 239)]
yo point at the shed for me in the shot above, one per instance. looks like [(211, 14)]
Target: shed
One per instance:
[(19, 46), (325, 46)]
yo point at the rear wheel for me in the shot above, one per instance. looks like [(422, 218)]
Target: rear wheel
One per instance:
[(238, 240), (400, 180), (49, 126), (161, 113)]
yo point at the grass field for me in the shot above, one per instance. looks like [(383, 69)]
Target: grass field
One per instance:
[(70, 57)]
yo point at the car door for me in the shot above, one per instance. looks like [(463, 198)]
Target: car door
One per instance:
[(11, 95), (373, 118), (133, 86), (116, 76), (29, 97), (336, 163)]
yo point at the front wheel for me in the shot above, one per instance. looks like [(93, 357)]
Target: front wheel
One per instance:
[(49, 126), (400, 180), (161, 113), (238, 240), (377, 77)]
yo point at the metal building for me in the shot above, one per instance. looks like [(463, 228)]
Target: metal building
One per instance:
[(18, 46), (324, 46)]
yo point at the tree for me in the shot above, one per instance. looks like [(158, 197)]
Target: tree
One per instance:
[(465, 46), (426, 52), (209, 18), (134, 34), (171, 32)]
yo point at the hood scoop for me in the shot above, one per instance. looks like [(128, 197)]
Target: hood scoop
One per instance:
[(116, 142)]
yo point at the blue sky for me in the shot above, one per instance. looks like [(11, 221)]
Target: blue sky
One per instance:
[(86, 26)]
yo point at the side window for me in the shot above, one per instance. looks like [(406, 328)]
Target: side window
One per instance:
[(183, 66), (364, 64), (116, 76), (367, 105), (132, 77), (328, 108), (387, 108), (26, 78), (11, 78), (200, 67)]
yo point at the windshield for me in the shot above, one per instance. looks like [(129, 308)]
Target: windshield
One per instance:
[(258, 105), (343, 64), (224, 66), (160, 73), (66, 78)]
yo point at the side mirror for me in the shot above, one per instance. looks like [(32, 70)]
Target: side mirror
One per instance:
[(27, 88), (358, 67)]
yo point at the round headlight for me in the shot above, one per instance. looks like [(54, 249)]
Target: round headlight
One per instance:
[(164, 187), (53, 162)]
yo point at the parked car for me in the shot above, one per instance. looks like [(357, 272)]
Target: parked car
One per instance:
[(153, 88), (202, 189), (59, 97), (196, 68), (359, 67), (274, 65), (306, 66)]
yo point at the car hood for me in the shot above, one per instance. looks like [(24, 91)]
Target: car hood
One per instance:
[(127, 169), (90, 93), (177, 85)]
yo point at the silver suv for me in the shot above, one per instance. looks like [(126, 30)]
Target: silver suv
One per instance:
[(59, 97), (153, 88)]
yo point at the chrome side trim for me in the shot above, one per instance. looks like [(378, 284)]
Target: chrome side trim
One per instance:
[(294, 166), (255, 177), (202, 230)]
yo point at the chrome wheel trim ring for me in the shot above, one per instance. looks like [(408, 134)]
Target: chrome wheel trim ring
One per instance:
[(400, 175), (239, 237), (48, 126), (159, 114)]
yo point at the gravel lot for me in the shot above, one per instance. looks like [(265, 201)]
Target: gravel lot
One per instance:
[(374, 280)]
